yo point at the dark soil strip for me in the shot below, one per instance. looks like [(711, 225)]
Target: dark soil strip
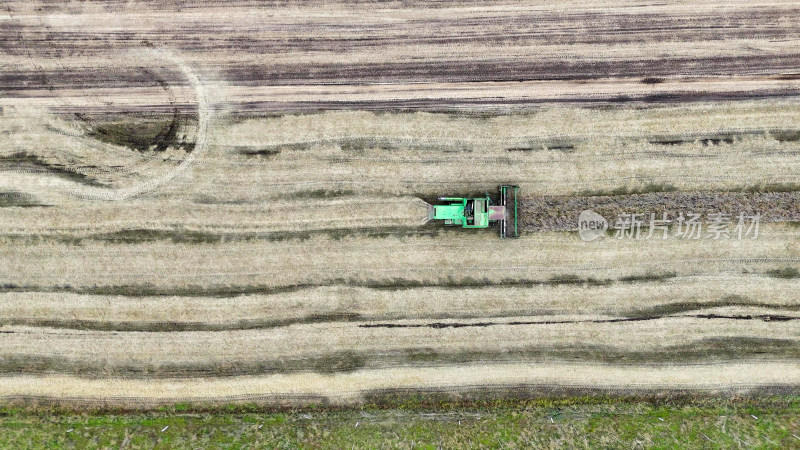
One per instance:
[(391, 284), (18, 199), (449, 403), (683, 307), (447, 399), (662, 311), (165, 327), (560, 213), (439, 325), (141, 133), (357, 145), (141, 235), (454, 105), (17, 83), (707, 350), (26, 161), (225, 291)]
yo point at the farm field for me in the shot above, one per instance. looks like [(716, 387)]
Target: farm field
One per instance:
[(218, 203)]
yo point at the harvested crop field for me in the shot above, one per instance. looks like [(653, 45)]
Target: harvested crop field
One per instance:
[(215, 202)]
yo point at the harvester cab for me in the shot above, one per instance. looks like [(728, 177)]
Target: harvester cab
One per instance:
[(481, 212)]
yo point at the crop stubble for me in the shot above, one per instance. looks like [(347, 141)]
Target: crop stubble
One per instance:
[(290, 261)]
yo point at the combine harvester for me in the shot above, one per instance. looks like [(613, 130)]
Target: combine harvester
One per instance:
[(480, 212)]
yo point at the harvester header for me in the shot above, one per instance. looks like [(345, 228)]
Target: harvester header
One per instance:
[(481, 212)]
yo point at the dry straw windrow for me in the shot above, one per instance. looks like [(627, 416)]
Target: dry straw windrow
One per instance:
[(349, 388), (551, 338), (697, 147), (388, 261), (729, 294)]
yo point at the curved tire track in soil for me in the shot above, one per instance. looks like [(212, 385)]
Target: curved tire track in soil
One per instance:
[(87, 192)]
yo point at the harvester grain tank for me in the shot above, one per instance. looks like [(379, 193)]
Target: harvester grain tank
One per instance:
[(481, 212)]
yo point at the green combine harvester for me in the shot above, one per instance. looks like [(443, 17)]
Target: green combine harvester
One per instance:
[(481, 212)]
